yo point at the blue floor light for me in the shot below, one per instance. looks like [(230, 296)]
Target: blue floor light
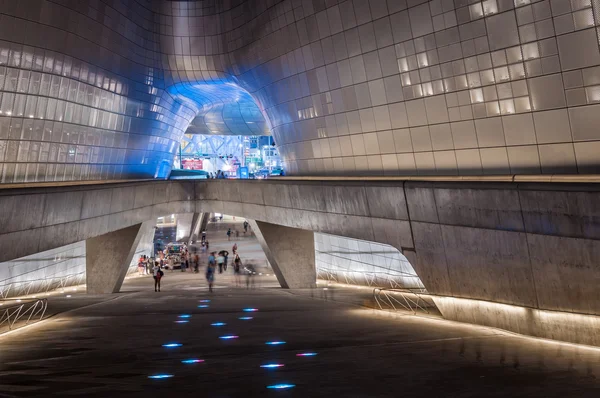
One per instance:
[(161, 376), (184, 316), (204, 301), (272, 366), (281, 386), (307, 354), (218, 324), (203, 306), (250, 309), (172, 345), (228, 337), (275, 342), (194, 360), (245, 318)]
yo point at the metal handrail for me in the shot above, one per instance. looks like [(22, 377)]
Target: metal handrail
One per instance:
[(409, 299), (372, 279), (42, 285), (16, 314)]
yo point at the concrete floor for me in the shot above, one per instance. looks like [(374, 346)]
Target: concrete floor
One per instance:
[(109, 348)]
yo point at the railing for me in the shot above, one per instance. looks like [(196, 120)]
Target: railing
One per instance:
[(42, 285), (16, 314), (412, 300), (371, 279)]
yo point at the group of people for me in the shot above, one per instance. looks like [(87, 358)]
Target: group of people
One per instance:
[(218, 175), (145, 265), (237, 233), (217, 262), (220, 261)]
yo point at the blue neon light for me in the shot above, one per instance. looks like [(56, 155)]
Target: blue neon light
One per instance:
[(245, 318), (234, 111), (192, 360), (281, 386), (307, 354), (184, 316), (275, 342), (203, 306), (250, 309), (228, 337), (172, 345), (272, 365), (218, 324), (204, 301), (160, 376), (181, 321)]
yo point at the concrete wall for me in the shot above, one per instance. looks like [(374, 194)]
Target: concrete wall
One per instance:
[(36, 220), (531, 246)]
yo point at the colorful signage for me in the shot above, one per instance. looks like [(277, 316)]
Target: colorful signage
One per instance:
[(191, 164)]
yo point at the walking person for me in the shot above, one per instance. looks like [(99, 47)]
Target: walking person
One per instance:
[(250, 271), (220, 261), (234, 248), (229, 234), (148, 264), (141, 265), (158, 274), (245, 227), (225, 258), (196, 263), (237, 269), (210, 271), (184, 262)]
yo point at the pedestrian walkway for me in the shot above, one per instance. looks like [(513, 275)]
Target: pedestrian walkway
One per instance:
[(327, 348)]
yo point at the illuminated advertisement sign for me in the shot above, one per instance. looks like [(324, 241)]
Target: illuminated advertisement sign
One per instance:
[(191, 164)]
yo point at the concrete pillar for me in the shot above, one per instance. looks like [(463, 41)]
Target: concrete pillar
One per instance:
[(108, 257), (199, 222), (291, 252), (185, 222)]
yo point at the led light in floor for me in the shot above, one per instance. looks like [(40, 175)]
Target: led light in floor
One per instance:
[(204, 301), (272, 365), (250, 309), (245, 318), (203, 306), (160, 376), (218, 324), (307, 354), (228, 337), (192, 360), (275, 342), (181, 321), (184, 316), (172, 345), (281, 386)]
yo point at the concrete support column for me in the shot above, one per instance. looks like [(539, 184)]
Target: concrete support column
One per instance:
[(291, 252), (108, 257), (199, 221), (185, 223)]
